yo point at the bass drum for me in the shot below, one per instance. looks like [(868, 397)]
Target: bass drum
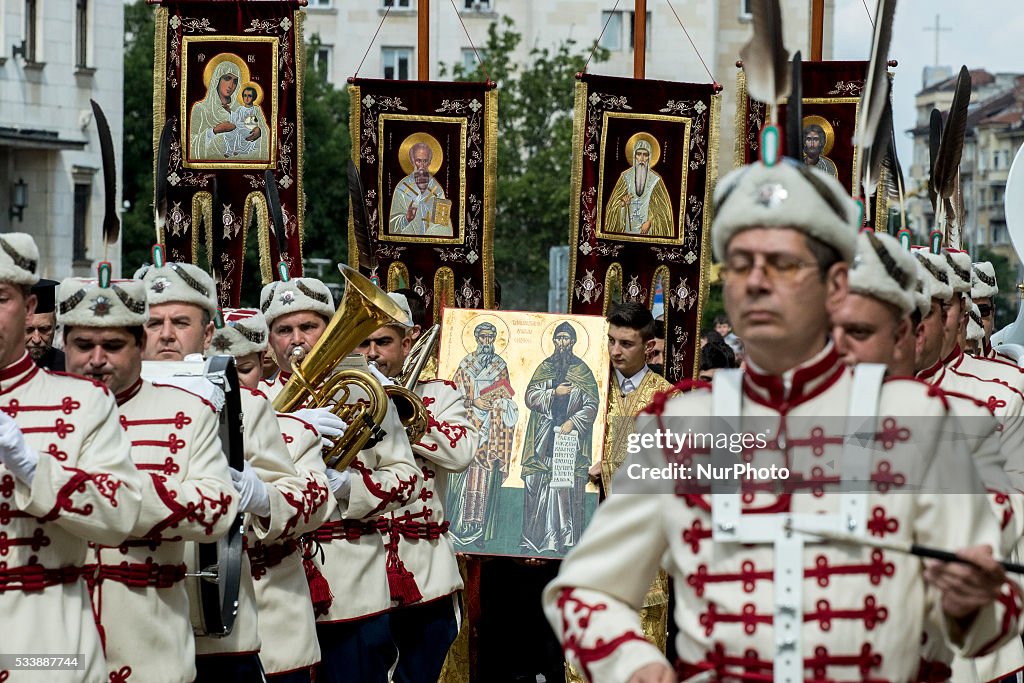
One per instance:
[(214, 570)]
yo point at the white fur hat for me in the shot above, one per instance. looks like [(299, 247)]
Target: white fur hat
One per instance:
[(403, 303), (922, 289), (939, 275), (239, 332), (882, 269), (102, 302), (788, 194), (183, 283), (295, 295), (983, 281), (960, 270), (975, 330), (19, 259)]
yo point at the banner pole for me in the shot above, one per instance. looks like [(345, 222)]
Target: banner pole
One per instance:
[(817, 29), (423, 40), (640, 40)]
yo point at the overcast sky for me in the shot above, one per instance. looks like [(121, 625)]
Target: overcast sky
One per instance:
[(986, 34)]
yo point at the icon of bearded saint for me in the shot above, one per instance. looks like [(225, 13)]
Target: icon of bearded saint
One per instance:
[(639, 204)]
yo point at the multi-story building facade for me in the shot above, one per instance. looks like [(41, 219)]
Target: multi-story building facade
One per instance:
[(995, 131), (719, 28), (56, 55)]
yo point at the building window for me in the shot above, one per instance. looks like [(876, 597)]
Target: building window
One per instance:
[(319, 4), (83, 192), (612, 24), (322, 60), (31, 7), (478, 5), (396, 4), (995, 160), (745, 12), (82, 34), (396, 61)]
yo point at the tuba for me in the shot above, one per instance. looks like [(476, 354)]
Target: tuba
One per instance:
[(410, 406), (353, 395)]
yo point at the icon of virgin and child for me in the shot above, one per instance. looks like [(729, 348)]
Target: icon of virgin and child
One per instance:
[(228, 124)]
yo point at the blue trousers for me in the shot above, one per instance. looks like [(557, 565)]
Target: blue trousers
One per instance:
[(229, 669), (423, 635), (359, 651)]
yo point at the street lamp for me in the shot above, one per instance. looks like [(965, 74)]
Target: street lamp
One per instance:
[(19, 200)]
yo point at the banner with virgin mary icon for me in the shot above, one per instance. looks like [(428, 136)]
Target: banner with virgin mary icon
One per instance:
[(227, 83), (644, 170)]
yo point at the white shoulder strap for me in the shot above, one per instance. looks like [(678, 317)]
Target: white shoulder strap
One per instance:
[(858, 448)]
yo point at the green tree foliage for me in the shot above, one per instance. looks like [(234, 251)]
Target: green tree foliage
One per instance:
[(327, 150), (535, 106)]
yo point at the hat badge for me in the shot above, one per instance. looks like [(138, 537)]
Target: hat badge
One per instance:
[(287, 298), (160, 284), (221, 343), (772, 195), (100, 306)]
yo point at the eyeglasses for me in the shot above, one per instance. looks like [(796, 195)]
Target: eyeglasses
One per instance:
[(985, 310), (777, 267)]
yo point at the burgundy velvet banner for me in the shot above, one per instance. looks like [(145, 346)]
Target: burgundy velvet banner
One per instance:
[(644, 170), (227, 79), (427, 156)]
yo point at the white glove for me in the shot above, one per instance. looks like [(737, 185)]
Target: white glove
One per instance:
[(326, 423), (381, 377), (340, 482), (20, 458), (252, 492)]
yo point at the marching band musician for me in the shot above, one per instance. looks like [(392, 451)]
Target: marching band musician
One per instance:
[(879, 322), (984, 289), (831, 611), (282, 578), (139, 595), (354, 634), (425, 618), (66, 478), (182, 306)]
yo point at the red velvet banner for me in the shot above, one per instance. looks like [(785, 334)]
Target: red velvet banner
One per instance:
[(427, 156), (644, 170), (227, 79)]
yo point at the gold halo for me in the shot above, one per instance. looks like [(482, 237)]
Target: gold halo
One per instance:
[(243, 68), (547, 344), (255, 86), (501, 336), (655, 147), (437, 156), (830, 133)]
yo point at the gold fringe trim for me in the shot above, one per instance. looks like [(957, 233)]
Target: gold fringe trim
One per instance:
[(739, 156), (256, 201), (355, 113), (579, 124), (299, 46), (444, 290), (159, 96), (711, 171), (398, 276), (490, 194), (202, 212), (612, 287)]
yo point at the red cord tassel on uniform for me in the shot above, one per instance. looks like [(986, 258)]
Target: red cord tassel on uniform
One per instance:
[(402, 585), (319, 589)]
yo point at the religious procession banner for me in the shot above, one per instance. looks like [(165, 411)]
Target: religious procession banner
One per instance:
[(831, 105), (427, 157), (227, 81), (537, 385), (644, 170)]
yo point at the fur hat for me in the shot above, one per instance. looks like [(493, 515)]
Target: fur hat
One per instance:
[(975, 329), (882, 269), (960, 270), (922, 289), (19, 259), (939, 275), (183, 283), (239, 332), (102, 302), (403, 303), (292, 296), (983, 281), (788, 194)]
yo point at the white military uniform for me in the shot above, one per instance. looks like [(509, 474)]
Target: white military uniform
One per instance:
[(859, 605), (286, 618), (140, 596)]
